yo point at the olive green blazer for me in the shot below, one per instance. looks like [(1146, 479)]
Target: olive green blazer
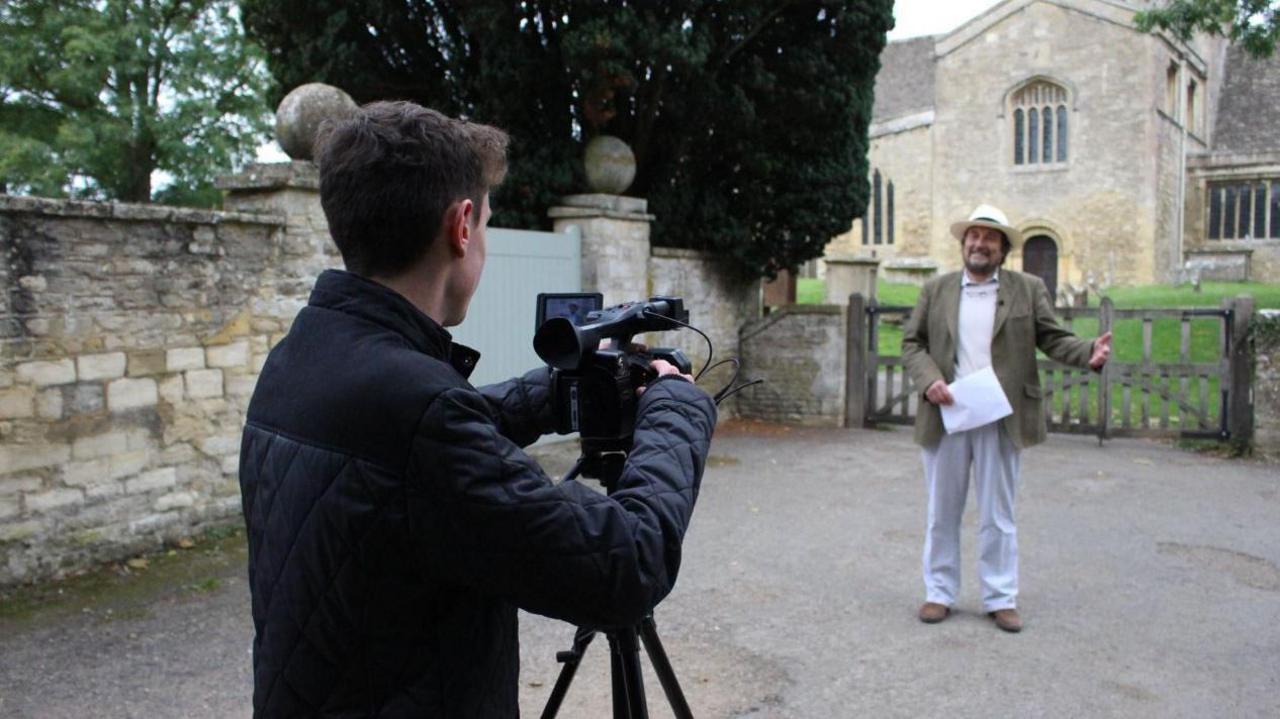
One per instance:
[(1024, 321)]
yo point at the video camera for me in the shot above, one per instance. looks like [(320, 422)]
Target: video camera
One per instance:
[(593, 389)]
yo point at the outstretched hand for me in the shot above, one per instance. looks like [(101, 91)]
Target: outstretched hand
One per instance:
[(1101, 351)]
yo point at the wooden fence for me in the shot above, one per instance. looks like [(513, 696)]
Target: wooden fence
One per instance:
[(1152, 397)]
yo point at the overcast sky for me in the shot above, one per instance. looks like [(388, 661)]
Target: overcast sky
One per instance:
[(933, 17)]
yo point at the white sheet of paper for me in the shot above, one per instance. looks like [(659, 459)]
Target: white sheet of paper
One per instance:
[(978, 399)]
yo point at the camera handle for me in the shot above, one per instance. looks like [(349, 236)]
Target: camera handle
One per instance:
[(603, 460)]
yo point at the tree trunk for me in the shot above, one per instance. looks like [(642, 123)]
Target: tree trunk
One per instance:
[(137, 184)]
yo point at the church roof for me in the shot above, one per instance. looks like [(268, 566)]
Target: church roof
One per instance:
[(1247, 105), (904, 85)]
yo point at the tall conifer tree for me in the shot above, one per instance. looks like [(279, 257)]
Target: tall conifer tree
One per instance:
[(748, 118)]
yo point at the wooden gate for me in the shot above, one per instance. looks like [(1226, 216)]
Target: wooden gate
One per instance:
[(1155, 396)]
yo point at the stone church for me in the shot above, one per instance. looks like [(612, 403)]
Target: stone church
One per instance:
[(1123, 157)]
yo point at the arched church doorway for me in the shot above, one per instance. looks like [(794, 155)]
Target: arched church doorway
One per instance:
[(1040, 258)]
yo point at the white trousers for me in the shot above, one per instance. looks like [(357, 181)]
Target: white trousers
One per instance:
[(995, 462)]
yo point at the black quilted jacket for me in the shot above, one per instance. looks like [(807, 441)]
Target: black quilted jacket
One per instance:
[(395, 525)]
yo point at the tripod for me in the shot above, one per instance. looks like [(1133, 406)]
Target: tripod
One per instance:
[(604, 461)]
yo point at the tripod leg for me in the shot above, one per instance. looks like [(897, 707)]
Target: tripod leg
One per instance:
[(571, 660), (662, 667), (628, 682)]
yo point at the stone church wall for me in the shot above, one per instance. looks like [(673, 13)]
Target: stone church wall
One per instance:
[(1102, 199), (902, 157), (1213, 258)]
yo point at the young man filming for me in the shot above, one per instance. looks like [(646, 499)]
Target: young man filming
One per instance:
[(394, 523)]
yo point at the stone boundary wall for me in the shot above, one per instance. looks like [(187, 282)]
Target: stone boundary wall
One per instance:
[(718, 304), (799, 350), (131, 338), (1266, 382)]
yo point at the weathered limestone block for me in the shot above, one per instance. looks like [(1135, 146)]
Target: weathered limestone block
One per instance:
[(177, 453), (100, 445), (44, 373), (146, 362), (129, 463), (174, 500), (204, 383), (235, 354), (155, 479), (615, 242), (10, 486), (17, 403), (184, 358), (140, 438), (125, 394), (171, 389), (83, 398), (154, 523), (105, 490), (220, 445), (87, 473), (242, 385), (53, 499), (19, 457), (101, 366), (33, 283), (20, 531), (49, 404)]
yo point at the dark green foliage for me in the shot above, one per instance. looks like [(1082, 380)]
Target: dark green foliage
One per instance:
[(748, 118), (96, 95), (1253, 24)]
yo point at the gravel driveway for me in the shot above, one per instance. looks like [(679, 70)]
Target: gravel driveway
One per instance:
[(1150, 588)]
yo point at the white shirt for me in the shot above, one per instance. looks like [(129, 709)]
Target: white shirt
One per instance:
[(977, 323)]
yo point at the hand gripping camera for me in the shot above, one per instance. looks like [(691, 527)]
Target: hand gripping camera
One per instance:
[(593, 388)]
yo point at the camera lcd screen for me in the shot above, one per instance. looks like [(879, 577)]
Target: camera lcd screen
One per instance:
[(574, 306)]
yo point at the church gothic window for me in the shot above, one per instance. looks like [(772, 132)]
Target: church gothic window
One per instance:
[(1243, 210), (877, 221), (1039, 123)]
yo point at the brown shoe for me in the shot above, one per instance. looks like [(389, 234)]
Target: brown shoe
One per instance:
[(1007, 619), (932, 612)]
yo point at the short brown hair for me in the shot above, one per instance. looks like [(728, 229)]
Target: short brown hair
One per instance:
[(389, 172)]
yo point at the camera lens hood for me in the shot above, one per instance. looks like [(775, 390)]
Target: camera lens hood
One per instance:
[(562, 345)]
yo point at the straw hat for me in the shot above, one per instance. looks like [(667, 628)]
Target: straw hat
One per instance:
[(986, 216)]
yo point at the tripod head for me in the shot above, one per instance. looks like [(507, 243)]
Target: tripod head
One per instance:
[(602, 460)]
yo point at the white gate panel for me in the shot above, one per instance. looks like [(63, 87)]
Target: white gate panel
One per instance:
[(500, 320)]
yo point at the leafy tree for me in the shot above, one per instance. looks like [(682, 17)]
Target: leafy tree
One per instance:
[(96, 95), (1253, 24), (748, 118)]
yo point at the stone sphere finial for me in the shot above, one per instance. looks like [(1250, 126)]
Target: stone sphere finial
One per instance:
[(300, 113), (610, 165)]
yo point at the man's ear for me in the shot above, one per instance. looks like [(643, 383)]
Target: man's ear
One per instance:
[(457, 220)]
